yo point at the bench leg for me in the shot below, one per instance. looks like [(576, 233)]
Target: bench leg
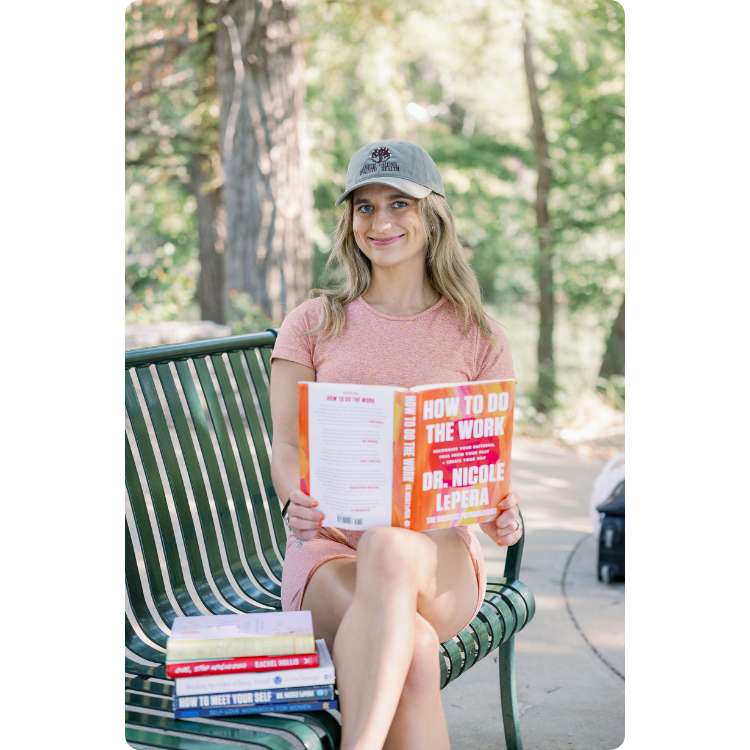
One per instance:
[(508, 696)]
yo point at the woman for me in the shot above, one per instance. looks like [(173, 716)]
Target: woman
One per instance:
[(408, 314)]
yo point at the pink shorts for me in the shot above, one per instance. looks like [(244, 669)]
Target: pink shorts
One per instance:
[(304, 558)]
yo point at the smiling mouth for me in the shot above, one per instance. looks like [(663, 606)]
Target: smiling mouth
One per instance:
[(385, 240)]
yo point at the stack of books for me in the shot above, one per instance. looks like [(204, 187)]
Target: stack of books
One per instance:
[(264, 662)]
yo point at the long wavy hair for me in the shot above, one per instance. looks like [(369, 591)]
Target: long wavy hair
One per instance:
[(447, 269)]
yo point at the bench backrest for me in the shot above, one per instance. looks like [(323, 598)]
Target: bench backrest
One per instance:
[(204, 533)]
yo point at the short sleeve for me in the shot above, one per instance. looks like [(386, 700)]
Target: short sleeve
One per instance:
[(493, 359), (292, 343)]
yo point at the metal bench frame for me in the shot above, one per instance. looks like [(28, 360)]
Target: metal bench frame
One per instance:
[(204, 535)]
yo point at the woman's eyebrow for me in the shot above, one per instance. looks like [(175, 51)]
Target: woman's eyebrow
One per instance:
[(393, 197)]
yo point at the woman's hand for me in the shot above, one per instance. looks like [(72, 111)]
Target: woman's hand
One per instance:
[(506, 529), (304, 521)]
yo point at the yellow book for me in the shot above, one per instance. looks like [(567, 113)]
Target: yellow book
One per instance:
[(230, 636)]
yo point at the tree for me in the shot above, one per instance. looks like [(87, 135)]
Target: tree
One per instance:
[(613, 361), (263, 147), (205, 182), (545, 392), (172, 152)]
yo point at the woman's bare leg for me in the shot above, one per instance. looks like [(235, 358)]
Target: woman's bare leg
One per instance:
[(419, 722), (398, 573)]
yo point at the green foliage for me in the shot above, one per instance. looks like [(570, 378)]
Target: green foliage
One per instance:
[(171, 115), (244, 315), (449, 76)]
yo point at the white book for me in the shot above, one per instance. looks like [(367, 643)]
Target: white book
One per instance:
[(282, 678), (250, 634)]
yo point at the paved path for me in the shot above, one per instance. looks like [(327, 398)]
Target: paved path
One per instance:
[(571, 695)]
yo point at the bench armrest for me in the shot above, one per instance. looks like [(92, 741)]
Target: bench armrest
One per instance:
[(513, 558)]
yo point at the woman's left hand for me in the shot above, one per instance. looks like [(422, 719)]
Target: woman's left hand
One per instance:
[(506, 529)]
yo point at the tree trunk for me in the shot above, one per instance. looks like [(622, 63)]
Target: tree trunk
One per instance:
[(213, 294), (545, 394), (263, 142), (613, 362)]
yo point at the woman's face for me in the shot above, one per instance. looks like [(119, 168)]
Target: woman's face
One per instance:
[(386, 226)]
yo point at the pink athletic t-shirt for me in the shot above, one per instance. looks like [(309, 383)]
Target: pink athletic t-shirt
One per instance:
[(379, 349)]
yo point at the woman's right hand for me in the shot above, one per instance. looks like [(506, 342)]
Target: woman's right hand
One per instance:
[(304, 521)]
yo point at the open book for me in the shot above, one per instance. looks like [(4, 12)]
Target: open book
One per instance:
[(428, 457)]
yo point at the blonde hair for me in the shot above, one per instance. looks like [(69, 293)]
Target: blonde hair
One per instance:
[(447, 269)]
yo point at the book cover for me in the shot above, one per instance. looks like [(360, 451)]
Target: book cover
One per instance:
[(277, 708), (256, 697), (284, 678), (248, 664), (429, 457), (231, 636)]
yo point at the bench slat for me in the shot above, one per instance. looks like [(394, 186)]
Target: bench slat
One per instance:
[(494, 625), (153, 710), (454, 655), (505, 598), (483, 635), (148, 549), (207, 529), (218, 493), (265, 354), (158, 499), (257, 503), (137, 599), (469, 644), (264, 397), (258, 439), (179, 496), (236, 491), (524, 592)]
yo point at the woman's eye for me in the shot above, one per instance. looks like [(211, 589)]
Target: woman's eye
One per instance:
[(364, 209), (400, 204)]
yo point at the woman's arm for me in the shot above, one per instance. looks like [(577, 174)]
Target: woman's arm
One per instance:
[(304, 520)]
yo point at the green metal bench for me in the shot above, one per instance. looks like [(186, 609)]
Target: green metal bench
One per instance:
[(204, 535)]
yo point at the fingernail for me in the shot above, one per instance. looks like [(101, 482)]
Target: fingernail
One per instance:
[(315, 504), (320, 523)]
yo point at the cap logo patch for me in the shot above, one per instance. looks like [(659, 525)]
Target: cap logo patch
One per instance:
[(380, 155)]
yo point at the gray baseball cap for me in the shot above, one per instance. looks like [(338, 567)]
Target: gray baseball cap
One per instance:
[(400, 164)]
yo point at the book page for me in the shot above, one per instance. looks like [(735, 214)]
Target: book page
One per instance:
[(350, 453), (463, 441)]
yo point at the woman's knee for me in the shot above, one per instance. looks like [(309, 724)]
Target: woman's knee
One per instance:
[(423, 677), (392, 553)]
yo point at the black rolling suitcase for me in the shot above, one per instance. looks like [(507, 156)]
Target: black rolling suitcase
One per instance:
[(611, 563)]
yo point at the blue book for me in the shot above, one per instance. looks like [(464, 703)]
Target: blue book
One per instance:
[(266, 708), (255, 697)]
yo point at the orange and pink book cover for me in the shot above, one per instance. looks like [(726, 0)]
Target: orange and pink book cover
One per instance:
[(429, 457)]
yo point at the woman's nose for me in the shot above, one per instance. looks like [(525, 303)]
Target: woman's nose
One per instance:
[(380, 220)]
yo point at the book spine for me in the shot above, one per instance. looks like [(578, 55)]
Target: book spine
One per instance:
[(404, 452), (241, 710), (304, 438), (288, 678), (256, 697), (216, 648), (234, 666)]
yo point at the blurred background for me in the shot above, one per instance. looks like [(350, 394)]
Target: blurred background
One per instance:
[(240, 120)]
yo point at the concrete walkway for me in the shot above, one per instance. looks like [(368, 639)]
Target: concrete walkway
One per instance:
[(571, 692)]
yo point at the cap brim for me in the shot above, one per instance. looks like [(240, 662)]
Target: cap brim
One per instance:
[(405, 186)]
